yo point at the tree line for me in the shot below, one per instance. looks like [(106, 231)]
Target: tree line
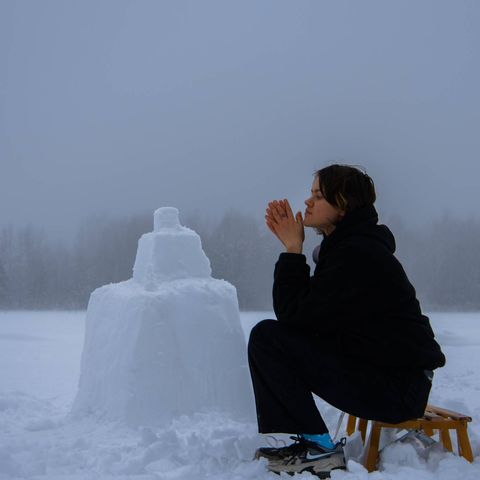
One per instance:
[(442, 260)]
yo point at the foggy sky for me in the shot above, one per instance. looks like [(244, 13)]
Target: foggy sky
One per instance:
[(124, 106)]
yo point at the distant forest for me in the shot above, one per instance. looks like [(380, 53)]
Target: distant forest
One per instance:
[(442, 260)]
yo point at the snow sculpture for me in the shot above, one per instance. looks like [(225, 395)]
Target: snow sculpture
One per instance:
[(166, 342)]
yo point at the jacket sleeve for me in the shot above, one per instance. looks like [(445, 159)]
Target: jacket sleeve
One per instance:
[(316, 302)]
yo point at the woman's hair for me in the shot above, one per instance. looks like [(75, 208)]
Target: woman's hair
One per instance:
[(346, 187)]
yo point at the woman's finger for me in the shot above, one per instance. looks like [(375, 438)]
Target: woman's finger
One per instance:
[(283, 207), (276, 212), (288, 210), (271, 208), (271, 227), (275, 207), (269, 214), (279, 210)]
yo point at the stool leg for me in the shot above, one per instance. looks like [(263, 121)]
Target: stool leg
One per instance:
[(446, 440), (351, 424), (362, 426), (428, 431), (464, 447), (371, 458)]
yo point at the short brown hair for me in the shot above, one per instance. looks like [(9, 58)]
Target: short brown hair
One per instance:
[(346, 187)]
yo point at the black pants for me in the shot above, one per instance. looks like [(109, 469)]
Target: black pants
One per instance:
[(287, 366)]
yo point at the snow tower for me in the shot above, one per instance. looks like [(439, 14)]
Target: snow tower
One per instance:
[(166, 342)]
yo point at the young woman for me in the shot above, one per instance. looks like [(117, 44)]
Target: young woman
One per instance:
[(353, 333)]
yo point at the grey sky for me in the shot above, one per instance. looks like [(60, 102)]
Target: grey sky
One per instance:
[(124, 106)]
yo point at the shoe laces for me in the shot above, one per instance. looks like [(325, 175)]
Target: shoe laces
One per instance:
[(299, 439), (301, 444)]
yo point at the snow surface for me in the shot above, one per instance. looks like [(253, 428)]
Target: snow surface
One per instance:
[(39, 370), (167, 342)]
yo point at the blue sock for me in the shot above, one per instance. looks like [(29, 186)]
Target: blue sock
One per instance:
[(322, 439)]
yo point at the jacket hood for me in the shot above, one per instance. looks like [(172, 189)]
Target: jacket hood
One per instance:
[(362, 222)]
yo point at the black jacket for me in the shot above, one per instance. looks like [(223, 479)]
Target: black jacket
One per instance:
[(359, 300)]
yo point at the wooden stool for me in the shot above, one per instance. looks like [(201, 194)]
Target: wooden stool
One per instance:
[(435, 418)]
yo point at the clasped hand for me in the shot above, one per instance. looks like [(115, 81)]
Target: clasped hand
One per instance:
[(286, 226)]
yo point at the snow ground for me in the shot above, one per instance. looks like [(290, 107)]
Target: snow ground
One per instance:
[(39, 369)]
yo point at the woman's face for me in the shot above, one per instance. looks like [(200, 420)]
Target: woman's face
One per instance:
[(319, 213)]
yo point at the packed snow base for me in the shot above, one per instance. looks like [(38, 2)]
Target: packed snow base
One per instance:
[(40, 358)]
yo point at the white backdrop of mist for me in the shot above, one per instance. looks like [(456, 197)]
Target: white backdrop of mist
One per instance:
[(121, 107)]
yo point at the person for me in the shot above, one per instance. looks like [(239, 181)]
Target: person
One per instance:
[(353, 333)]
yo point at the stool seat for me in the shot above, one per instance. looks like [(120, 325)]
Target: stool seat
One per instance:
[(434, 418)]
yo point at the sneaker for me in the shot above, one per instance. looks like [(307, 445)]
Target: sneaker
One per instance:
[(304, 456), (275, 453)]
